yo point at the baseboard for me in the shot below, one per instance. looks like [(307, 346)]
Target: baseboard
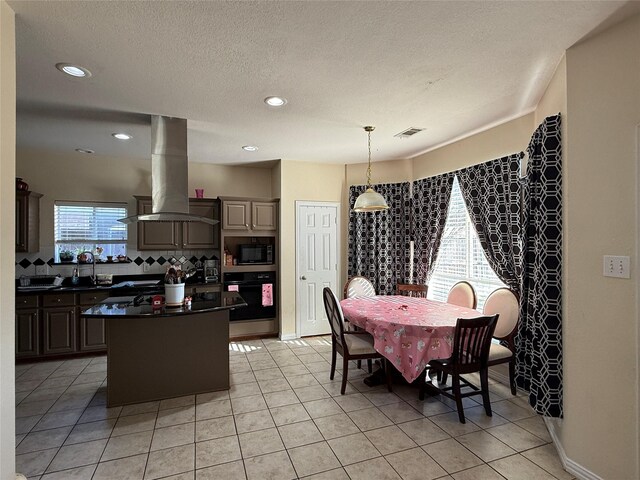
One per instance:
[(504, 379), (569, 465), (288, 336)]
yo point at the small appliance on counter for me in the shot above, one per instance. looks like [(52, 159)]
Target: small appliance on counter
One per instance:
[(211, 271)]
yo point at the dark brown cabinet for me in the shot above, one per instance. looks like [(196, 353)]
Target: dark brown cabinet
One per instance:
[(59, 330), (27, 221), (249, 215), (179, 235), (27, 323), (93, 335)]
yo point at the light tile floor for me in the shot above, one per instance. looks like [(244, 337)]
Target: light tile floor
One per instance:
[(281, 419)]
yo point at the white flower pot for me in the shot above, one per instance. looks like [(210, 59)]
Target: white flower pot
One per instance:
[(174, 294)]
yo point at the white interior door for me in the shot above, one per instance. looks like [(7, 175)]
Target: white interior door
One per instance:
[(316, 263)]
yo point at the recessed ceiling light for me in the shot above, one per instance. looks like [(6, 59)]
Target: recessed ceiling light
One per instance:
[(275, 101), (250, 148), (121, 136), (73, 70), (84, 150)]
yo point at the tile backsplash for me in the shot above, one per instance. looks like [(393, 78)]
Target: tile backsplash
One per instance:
[(141, 262)]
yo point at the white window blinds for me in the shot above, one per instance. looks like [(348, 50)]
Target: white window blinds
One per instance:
[(90, 222)]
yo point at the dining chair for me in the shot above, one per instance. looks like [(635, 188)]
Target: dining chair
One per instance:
[(504, 302), (352, 345), (359, 286), (471, 342), (463, 294), (412, 290)]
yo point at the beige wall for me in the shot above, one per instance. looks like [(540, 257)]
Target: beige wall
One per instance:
[(77, 176), (600, 429), (7, 239), (499, 141), (301, 181)]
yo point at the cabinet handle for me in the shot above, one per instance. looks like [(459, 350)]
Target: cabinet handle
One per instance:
[(24, 301), (254, 225), (94, 298), (58, 300), (246, 225)]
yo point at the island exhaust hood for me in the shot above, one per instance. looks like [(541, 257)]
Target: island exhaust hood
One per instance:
[(169, 174)]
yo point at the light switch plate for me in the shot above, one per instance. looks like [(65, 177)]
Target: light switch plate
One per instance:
[(616, 266), (41, 269)]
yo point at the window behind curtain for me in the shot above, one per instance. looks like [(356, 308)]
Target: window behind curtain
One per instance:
[(460, 256), (84, 226)]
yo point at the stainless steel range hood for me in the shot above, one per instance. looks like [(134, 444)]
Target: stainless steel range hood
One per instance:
[(169, 174)]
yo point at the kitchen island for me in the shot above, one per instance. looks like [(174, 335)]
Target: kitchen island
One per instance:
[(157, 352)]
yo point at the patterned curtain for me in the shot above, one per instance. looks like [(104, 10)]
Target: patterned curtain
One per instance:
[(539, 341), (430, 205), (492, 193), (378, 241)]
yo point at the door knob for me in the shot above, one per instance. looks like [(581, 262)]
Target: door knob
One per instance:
[(303, 277)]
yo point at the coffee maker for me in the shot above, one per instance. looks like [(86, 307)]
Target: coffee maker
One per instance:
[(211, 271)]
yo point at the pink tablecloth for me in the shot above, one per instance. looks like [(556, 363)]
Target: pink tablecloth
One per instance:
[(408, 331)]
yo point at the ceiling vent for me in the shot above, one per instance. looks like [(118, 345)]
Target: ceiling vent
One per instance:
[(409, 132)]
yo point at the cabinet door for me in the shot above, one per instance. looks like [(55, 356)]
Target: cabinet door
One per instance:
[(27, 333), (93, 334), (197, 235), (59, 330), (156, 235), (22, 224), (264, 215), (236, 215)]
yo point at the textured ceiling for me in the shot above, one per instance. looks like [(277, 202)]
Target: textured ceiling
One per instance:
[(448, 67)]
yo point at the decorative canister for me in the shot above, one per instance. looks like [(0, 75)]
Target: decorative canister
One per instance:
[(21, 185), (173, 294)]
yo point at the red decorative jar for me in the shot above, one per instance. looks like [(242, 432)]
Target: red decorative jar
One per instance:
[(21, 185)]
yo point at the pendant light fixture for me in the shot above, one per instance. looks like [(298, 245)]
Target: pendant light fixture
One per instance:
[(370, 200)]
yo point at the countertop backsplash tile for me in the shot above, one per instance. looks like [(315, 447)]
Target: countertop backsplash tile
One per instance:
[(141, 262)]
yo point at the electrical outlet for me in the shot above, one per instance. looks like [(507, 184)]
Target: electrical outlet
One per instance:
[(146, 267), (616, 266), (41, 269)]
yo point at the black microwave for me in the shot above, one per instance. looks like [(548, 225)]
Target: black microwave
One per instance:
[(255, 254)]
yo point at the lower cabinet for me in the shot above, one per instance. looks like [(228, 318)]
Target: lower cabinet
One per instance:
[(27, 337), (50, 324), (59, 330)]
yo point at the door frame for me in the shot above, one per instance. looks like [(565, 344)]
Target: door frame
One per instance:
[(305, 203)]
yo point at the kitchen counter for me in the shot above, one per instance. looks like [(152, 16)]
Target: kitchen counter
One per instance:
[(164, 352), (126, 307), (120, 289)]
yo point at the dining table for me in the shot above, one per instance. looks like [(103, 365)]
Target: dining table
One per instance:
[(407, 331)]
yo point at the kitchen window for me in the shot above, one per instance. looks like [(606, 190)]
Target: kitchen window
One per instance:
[(461, 256), (89, 226)]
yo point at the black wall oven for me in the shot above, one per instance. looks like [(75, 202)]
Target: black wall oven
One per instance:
[(258, 289)]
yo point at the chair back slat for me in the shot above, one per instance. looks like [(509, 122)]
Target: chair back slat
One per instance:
[(412, 290), (334, 314), (472, 340)]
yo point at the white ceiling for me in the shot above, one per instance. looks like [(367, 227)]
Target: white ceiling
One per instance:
[(448, 67)]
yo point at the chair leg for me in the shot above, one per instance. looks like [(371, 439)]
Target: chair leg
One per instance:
[(370, 365), (387, 369), (484, 386), (333, 361), (345, 368), (455, 382), (512, 376), (442, 377), (423, 384)]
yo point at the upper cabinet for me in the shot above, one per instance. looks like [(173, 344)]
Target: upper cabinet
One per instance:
[(180, 235), (249, 215), (27, 221)]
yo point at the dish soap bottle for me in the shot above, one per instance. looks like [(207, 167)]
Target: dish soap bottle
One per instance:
[(75, 279)]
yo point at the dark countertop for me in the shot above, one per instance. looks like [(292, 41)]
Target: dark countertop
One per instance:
[(125, 285), (124, 307)]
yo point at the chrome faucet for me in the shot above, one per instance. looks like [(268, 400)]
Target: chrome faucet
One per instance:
[(93, 264)]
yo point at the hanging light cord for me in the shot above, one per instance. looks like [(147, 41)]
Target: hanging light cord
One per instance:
[(369, 130)]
